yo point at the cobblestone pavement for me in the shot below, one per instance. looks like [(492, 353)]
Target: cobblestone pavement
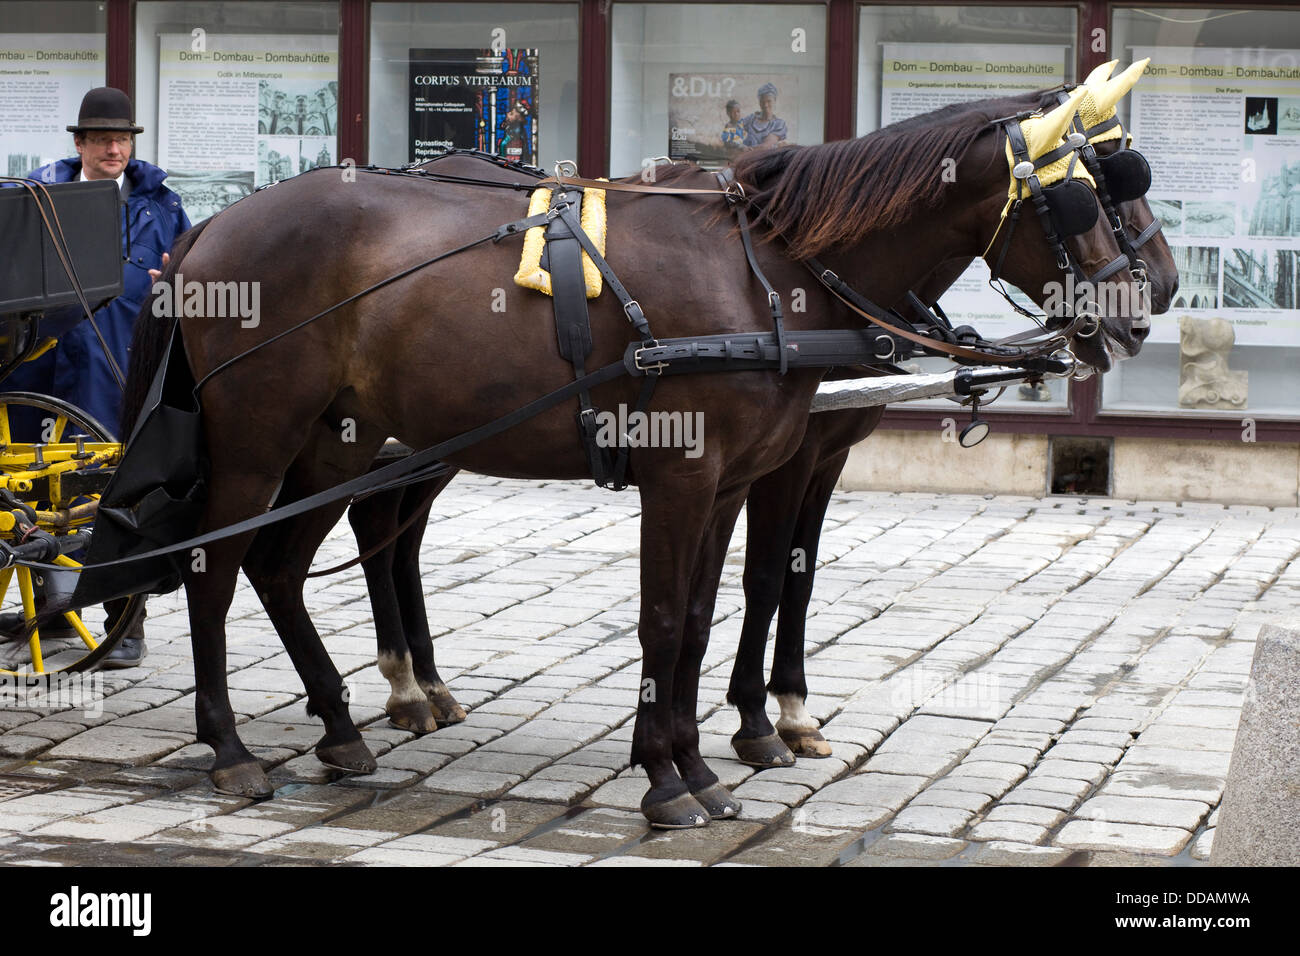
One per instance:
[(1005, 681)]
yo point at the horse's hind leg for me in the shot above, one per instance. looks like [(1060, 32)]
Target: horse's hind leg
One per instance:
[(702, 781), (789, 685), (419, 700), (277, 565), (373, 519), (410, 598), (210, 578)]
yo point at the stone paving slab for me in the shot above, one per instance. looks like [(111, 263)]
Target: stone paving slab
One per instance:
[(1004, 681)]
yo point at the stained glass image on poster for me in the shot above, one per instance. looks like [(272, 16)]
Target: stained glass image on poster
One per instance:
[(474, 99)]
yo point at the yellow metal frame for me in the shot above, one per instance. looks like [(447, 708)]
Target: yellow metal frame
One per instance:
[(55, 514)]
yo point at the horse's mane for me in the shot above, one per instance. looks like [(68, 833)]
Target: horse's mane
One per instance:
[(841, 192)]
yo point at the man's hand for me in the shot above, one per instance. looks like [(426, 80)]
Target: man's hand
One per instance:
[(155, 273)]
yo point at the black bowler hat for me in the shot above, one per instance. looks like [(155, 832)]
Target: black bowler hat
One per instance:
[(105, 108)]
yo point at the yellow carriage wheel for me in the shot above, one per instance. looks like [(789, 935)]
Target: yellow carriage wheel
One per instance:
[(42, 479)]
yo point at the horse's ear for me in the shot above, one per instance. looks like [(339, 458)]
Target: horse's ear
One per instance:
[(1044, 134), (1100, 75), (1116, 89)]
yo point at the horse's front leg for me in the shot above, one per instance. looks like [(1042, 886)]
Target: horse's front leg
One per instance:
[(674, 517), (797, 728), (767, 557), (701, 780)]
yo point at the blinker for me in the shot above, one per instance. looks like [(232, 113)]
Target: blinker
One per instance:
[(1128, 175), (1073, 205)]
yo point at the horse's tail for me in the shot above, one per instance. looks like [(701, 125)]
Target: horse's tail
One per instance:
[(150, 336)]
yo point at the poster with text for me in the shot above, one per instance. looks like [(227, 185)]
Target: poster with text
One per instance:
[(243, 111), (43, 77), (474, 99), (1227, 185), (922, 77), (713, 117)]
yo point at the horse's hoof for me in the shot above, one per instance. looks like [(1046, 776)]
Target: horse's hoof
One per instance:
[(413, 716), (717, 802), (807, 743), (352, 757), (769, 751), (242, 780), (445, 709), (676, 813)]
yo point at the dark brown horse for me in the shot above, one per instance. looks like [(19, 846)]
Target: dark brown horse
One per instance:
[(785, 511), (426, 359)]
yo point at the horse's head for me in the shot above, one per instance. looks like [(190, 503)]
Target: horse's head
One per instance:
[(1123, 178), (1054, 241)]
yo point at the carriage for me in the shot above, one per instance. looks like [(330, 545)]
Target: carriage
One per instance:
[(62, 253)]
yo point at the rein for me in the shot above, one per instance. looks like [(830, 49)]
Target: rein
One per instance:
[(650, 357)]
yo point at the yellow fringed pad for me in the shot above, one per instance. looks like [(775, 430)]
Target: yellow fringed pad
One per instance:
[(531, 275)]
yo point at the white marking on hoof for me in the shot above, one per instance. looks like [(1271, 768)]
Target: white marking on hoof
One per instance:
[(794, 716), (401, 678)]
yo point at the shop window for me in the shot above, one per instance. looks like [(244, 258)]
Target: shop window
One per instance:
[(235, 95), (706, 81), (502, 78), (1218, 116), (50, 56), (914, 59)]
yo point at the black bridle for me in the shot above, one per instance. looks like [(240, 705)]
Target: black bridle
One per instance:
[(1123, 176), (1070, 208)]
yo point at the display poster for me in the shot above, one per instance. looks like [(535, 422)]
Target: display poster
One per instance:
[(43, 77), (922, 77), (1221, 129), (713, 117), (474, 99), (242, 112)]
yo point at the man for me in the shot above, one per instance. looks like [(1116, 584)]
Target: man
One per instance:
[(765, 128), (77, 369)]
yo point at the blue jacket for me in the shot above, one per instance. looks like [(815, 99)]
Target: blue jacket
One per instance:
[(77, 371)]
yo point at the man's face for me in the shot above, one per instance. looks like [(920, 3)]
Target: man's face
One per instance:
[(104, 154)]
